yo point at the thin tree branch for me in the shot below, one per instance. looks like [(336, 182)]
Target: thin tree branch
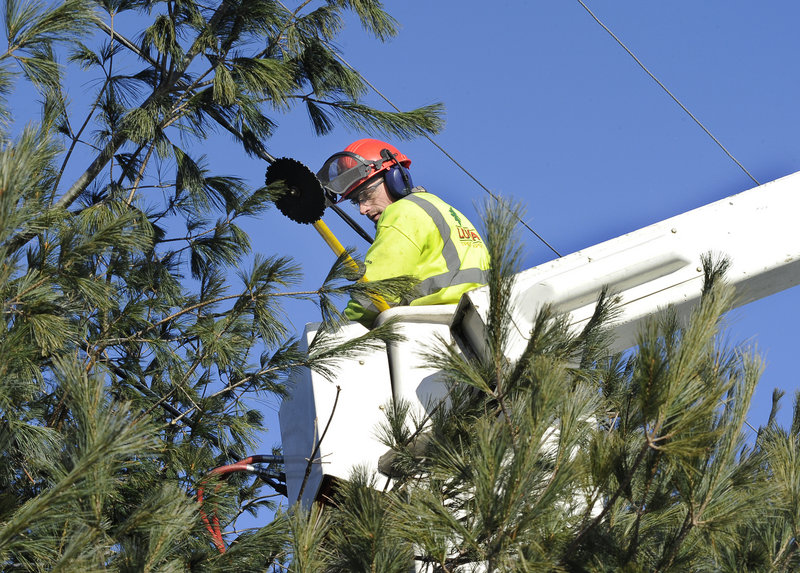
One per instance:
[(313, 455)]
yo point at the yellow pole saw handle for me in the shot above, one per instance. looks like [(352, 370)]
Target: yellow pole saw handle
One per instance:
[(339, 250)]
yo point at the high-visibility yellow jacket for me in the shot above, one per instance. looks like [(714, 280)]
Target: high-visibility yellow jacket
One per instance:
[(422, 236)]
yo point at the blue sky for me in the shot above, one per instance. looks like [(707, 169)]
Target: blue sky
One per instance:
[(544, 106)]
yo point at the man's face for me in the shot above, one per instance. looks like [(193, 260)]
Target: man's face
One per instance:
[(373, 199)]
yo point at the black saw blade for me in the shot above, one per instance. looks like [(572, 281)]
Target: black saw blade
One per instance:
[(301, 196)]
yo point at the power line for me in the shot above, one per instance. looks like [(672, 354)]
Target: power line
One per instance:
[(440, 148), (683, 107), (655, 79), (486, 189)]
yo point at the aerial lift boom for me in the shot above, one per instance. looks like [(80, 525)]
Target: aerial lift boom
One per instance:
[(328, 424)]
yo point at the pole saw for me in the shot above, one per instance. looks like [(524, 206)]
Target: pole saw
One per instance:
[(303, 199)]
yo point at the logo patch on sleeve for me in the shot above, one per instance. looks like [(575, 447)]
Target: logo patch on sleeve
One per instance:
[(468, 235)]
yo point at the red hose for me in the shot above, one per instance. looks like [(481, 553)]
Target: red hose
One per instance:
[(245, 465)]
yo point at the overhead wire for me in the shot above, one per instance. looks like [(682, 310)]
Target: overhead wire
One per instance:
[(435, 144), (440, 148), (669, 93), (495, 197), (683, 107)]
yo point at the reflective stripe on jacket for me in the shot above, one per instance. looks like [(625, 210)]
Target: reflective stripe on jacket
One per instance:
[(422, 236)]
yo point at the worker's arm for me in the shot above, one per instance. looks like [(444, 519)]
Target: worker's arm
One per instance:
[(393, 254)]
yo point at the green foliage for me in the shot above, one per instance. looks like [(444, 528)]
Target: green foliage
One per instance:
[(139, 328)]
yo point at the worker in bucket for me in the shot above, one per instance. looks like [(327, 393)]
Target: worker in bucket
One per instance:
[(417, 234)]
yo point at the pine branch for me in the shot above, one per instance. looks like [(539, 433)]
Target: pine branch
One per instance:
[(119, 137)]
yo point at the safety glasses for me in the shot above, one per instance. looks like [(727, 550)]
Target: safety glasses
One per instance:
[(344, 170)]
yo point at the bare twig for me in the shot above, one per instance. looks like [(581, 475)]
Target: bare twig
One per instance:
[(316, 447)]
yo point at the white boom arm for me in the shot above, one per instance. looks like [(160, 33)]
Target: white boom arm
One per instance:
[(651, 268), (659, 265)]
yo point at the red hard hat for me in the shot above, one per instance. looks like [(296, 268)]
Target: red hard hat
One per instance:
[(360, 162)]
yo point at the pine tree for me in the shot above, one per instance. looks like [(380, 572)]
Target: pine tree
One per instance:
[(134, 335)]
